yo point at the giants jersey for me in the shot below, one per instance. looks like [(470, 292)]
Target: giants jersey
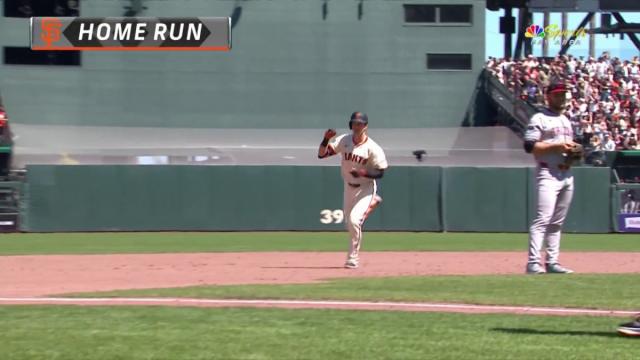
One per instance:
[(367, 155), (549, 127)]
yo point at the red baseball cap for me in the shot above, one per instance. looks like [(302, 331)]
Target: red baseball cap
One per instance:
[(555, 88)]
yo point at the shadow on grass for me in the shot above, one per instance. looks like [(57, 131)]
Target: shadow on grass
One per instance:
[(524, 331)]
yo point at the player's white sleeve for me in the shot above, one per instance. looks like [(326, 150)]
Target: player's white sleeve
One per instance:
[(337, 143), (534, 129), (378, 158)]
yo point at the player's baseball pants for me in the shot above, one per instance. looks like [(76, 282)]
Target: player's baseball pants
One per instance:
[(358, 204), (555, 191)]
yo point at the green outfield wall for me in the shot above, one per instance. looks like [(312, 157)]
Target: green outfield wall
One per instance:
[(137, 198), (293, 64)]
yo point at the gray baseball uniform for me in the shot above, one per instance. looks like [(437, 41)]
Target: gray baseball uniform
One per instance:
[(554, 185)]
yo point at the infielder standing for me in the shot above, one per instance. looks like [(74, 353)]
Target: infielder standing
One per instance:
[(363, 161), (549, 137)]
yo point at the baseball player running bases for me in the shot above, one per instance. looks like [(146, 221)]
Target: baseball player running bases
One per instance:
[(363, 161)]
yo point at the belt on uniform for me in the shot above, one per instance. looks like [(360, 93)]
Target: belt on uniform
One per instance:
[(353, 185), (562, 167)]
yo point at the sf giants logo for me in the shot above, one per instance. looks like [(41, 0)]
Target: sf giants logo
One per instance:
[(50, 30), (355, 158)]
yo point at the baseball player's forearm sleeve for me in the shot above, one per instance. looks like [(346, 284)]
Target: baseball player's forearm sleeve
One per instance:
[(325, 150), (375, 174), (528, 146)]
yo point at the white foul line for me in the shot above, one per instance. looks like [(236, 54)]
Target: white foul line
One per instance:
[(320, 303)]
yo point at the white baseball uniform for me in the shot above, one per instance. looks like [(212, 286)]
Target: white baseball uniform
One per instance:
[(360, 196), (554, 185)]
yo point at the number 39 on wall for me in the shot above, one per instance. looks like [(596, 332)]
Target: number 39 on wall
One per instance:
[(328, 216)]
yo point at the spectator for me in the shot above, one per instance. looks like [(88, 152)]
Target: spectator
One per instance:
[(609, 144), (631, 143), (604, 93), (595, 154)]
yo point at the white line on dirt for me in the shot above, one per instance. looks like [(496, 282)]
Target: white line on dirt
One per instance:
[(403, 306)]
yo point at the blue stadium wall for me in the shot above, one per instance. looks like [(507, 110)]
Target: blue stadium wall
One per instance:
[(294, 64)]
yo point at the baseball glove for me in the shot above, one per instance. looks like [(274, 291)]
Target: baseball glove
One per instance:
[(575, 154)]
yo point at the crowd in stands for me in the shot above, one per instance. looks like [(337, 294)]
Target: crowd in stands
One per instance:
[(604, 104)]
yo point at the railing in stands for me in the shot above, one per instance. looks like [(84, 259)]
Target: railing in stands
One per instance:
[(515, 112)]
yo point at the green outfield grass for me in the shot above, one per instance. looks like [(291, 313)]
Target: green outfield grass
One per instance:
[(586, 291), (72, 332), (182, 242)]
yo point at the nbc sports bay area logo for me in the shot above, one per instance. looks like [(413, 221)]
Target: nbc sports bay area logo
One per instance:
[(552, 34)]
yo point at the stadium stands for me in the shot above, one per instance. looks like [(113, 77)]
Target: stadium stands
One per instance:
[(604, 107)]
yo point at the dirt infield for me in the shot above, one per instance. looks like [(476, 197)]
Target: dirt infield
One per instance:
[(57, 274), (41, 276)]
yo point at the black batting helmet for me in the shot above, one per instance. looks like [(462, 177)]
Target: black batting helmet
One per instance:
[(358, 117)]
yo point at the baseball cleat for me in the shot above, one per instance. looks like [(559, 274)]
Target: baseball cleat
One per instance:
[(534, 268), (352, 263), (631, 328), (558, 269)]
